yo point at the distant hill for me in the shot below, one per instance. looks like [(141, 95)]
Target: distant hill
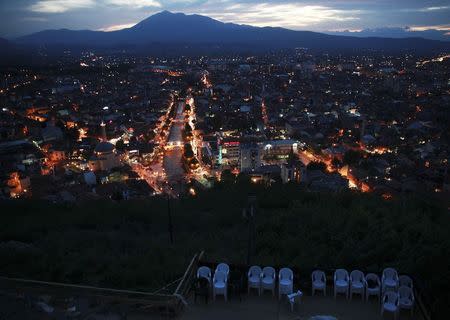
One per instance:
[(166, 28), (406, 32)]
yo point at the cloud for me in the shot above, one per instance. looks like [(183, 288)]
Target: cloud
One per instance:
[(35, 19), (434, 8), (117, 27), (135, 3), (441, 27), (59, 6), (290, 15), (426, 9)]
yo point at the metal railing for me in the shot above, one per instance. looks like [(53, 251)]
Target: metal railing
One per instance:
[(169, 304)]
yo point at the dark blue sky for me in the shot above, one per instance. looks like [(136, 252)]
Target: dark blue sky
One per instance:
[(26, 16)]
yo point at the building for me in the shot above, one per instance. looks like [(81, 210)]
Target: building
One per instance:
[(278, 150), (105, 157), (250, 157), (229, 153)]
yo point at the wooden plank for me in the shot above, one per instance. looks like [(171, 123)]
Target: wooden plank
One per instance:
[(193, 260)]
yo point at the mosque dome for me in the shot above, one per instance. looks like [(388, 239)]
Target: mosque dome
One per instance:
[(104, 147)]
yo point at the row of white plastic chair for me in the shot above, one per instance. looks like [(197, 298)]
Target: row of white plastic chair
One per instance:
[(260, 279), (264, 279), (394, 301), (356, 282), (397, 292), (219, 282)]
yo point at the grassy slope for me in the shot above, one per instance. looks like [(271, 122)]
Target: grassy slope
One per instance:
[(126, 245)]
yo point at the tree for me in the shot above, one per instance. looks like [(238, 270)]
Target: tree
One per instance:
[(316, 165), (120, 145), (336, 162), (351, 157), (227, 177)]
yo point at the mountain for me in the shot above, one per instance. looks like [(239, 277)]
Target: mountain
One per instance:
[(12, 53), (406, 32), (170, 29)]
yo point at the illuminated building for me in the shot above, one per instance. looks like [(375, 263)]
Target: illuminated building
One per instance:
[(279, 150), (105, 156), (229, 152), (250, 157)]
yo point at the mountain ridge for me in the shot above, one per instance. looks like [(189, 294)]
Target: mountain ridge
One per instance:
[(171, 28)]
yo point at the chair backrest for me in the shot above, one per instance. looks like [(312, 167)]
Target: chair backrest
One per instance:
[(390, 273), (391, 297), (220, 276), (372, 280), (405, 292), (285, 273), (223, 267), (341, 274), (268, 272), (204, 272), (357, 276), (254, 270), (318, 275), (406, 281)]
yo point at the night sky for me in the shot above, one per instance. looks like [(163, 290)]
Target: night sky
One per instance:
[(21, 17)]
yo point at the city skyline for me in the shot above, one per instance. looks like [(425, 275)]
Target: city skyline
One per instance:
[(28, 16)]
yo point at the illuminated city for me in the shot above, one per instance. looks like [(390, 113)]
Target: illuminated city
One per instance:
[(148, 162)]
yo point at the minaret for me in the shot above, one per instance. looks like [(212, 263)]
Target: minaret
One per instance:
[(103, 127), (363, 129)]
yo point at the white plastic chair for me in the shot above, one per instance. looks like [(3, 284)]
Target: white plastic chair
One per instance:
[(204, 272), (319, 282), (406, 298), (390, 303), (223, 267), (341, 282), (294, 298), (357, 283), (373, 286), (220, 284), (268, 279), (285, 282), (254, 278), (405, 281), (389, 280)]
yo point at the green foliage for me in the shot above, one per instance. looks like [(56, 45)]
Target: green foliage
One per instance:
[(126, 244)]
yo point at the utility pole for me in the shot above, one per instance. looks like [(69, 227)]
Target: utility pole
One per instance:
[(169, 215), (250, 212)]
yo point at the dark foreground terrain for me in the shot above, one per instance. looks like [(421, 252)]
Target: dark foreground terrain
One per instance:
[(127, 244)]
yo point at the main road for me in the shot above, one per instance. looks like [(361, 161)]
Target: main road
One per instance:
[(173, 154)]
